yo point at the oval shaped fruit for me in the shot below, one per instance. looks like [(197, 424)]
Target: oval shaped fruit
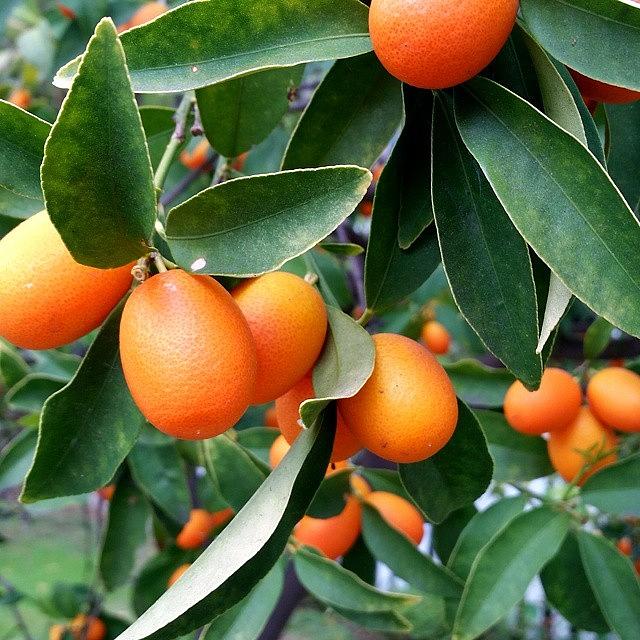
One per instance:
[(332, 536), (359, 486), (434, 44), (87, 628), (196, 158), (187, 354), (177, 574), (288, 414), (398, 513), (20, 98), (598, 91), (270, 418), (279, 450), (625, 546), (435, 337), (407, 410), (614, 397), (553, 406), (200, 526), (581, 442), (47, 298), (288, 321)]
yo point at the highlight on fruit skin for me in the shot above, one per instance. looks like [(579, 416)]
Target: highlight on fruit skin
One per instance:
[(288, 320), (200, 526), (435, 44), (289, 421), (47, 298), (398, 513), (331, 536), (614, 398), (553, 406), (279, 450), (435, 337), (187, 354), (584, 442), (407, 410), (177, 574)]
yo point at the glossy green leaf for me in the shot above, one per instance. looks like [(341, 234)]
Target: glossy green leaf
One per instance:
[(96, 174), (614, 583), (485, 259), (241, 112), (88, 427), (624, 149), (428, 618), (384, 480), (383, 621), (329, 500), (125, 533), (350, 119), (22, 137), (258, 441), (568, 211), (479, 532), (16, 457), (55, 363), (516, 457), (246, 620), (342, 248), (32, 391), (232, 469), (332, 279), (477, 384), (596, 338), (201, 43), (249, 226), (12, 365), (337, 587), (568, 590), (455, 476), (570, 29), (160, 473), (445, 535), (504, 568), (616, 488), (250, 544), (360, 560), (399, 553)]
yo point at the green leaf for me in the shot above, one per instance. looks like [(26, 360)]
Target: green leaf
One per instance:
[(516, 457), (16, 458), (232, 469), (563, 202), (96, 173), (32, 391), (614, 583), (126, 532), (329, 500), (446, 534), (480, 531), (87, 428), (55, 363), (247, 619), (624, 149), (336, 587), (455, 476), (485, 259), (202, 43), (258, 441), (384, 480), (158, 125), (241, 112), (383, 621), (360, 561), (342, 248), (160, 473), (567, 588), (395, 550), (12, 365), (252, 225), (350, 119), (250, 544), (504, 568), (477, 384), (616, 488), (596, 338), (569, 30), (22, 137)]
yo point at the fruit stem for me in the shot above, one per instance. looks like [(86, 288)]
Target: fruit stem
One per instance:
[(363, 320)]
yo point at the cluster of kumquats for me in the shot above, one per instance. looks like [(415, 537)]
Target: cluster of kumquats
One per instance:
[(582, 437)]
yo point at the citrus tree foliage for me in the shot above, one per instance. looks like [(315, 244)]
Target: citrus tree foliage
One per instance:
[(504, 191)]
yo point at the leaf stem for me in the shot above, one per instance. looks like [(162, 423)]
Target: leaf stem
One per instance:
[(367, 314)]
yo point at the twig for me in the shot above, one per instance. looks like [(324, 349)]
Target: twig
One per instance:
[(197, 129), (168, 197)]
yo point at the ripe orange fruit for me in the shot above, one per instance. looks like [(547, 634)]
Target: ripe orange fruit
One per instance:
[(84, 628), (56, 631), (614, 398), (196, 158), (187, 355), (288, 412), (399, 513), (200, 526), (106, 493), (288, 321), (625, 546), (553, 406), (147, 12), (598, 91), (366, 208), (579, 443), (47, 298), (407, 410), (359, 485), (280, 447), (21, 98), (433, 44), (65, 11), (177, 574), (332, 536), (271, 418), (636, 566), (435, 337)]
